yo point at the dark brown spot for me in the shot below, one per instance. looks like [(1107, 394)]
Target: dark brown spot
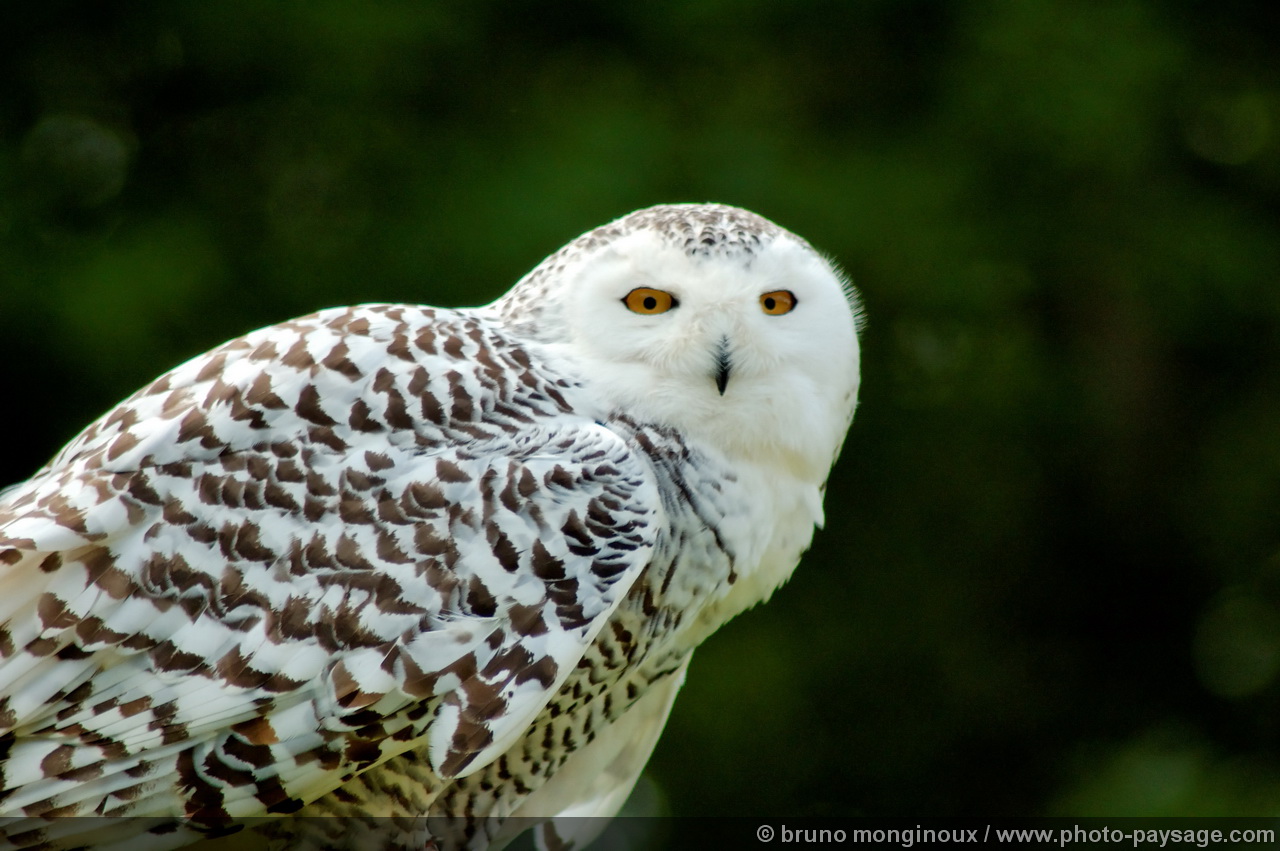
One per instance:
[(508, 496), (338, 361), (418, 382), (278, 497), (213, 368), (424, 495), (479, 600), (175, 515), (92, 630), (361, 481), (317, 485), (121, 445), (178, 469), (388, 550), (432, 411), (361, 418), (298, 357), (256, 731), (249, 546), (427, 542), (167, 657), (361, 752), (349, 554), (216, 768), (447, 471), (289, 471), (559, 477), (309, 407), (318, 554), (232, 492), (265, 351), (314, 509), (527, 620), (545, 565), (571, 615), (418, 683), (581, 543), (53, 613), (462, 406), (57, 761), (399, 347), (378, 461), (544, 671), (284, 449), (194, 425), (257, 755), (397, 412), (505, 551), (355, 511), (115, 582)]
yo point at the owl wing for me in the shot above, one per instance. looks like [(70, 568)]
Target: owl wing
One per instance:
[(258, 578)]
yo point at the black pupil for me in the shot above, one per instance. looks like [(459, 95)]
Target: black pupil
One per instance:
[(770, 304), (650, 303)]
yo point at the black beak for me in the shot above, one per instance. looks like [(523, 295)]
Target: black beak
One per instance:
[(722, 365)]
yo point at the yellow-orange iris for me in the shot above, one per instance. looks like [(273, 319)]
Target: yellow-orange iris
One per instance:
[(649, 301), (778, 302)]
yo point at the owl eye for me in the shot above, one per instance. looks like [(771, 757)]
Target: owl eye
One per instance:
[(649, 301), (778, 302)]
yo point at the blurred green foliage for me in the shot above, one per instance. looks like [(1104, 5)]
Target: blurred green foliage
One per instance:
[(1049, 582)]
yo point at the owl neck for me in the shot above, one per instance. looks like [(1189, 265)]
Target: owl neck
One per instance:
[(734, 530)]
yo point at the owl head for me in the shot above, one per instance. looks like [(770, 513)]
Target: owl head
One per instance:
[(708, 319)]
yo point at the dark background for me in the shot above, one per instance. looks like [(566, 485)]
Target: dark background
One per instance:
[(1049, 583)]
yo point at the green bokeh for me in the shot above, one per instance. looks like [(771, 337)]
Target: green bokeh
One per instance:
[(1049, 582)]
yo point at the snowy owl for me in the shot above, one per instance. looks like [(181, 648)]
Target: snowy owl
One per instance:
[(400, 564)]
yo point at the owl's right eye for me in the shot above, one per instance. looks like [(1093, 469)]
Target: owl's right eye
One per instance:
[(648, 301)]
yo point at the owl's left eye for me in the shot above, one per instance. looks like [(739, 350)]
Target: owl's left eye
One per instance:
[(648, 301), (778, 302)]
